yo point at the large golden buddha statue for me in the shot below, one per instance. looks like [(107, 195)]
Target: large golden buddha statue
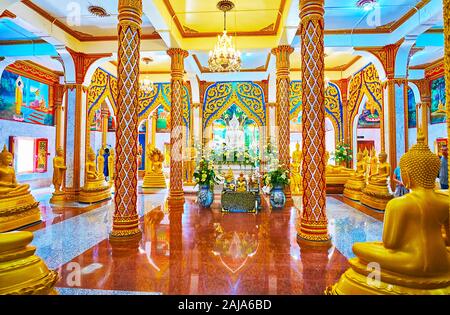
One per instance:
[(21, 271), (95, 188), (336, 176), (414, 256), (59, 171), (17, 206), (377, 192), (154, 176), (356, 183), (296, 166)]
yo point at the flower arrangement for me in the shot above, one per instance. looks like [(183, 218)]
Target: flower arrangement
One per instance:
[(277, 177), (343, 154), (205, 174)]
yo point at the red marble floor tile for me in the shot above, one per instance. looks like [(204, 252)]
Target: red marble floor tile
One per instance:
[(204, 251)]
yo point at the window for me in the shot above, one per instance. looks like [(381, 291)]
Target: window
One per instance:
[(30, 154)]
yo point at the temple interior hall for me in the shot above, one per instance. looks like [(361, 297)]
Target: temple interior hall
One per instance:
[(224, 147)]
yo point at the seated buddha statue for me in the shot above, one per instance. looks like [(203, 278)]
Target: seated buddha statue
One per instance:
[(377, 192), (17, 206), (154, 176), (366, 159), (296, 177), (229, 179), (383, 171), (414, 255), (9, 187), (356, 183), (101, 163), (95, 188), (241, 183)]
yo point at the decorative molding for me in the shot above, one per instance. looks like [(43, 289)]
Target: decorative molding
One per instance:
[(187, 32), (7, 14), (82, 37), (36, 72), (83, 62)]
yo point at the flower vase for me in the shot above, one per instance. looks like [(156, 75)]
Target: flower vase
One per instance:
[(205, 196), (277, 197)]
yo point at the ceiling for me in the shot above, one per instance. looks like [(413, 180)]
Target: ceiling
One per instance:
[(9, 31), (87, 24), (335, 60)]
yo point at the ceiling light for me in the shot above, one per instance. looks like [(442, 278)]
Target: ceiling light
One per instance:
[(224, 56), (98, 11), (367, 5)]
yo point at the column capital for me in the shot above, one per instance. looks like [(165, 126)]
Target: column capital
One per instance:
[(58, 94), (130, 12), (82, 63), (282, 54), (311, 8), (177, 55)]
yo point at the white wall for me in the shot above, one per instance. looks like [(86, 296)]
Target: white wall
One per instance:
[(96, 140), (370, 134), (20, 129)]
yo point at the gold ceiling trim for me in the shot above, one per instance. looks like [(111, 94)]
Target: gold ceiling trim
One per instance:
[(82, 37), (187, 32)]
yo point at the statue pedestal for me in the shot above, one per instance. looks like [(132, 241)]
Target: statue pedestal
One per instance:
[(360, 280), (376, 196), (19, 211), (95, 191), (353, 188), (153, 181), (58, 197), (21, 271)]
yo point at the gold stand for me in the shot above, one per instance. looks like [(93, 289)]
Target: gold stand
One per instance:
[(376, 196), (58, 197), (359, 280), (21, 272), (19, 211), (353, 188), (95, 191), (153, 182)]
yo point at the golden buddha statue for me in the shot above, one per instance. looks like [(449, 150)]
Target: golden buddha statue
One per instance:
[(111, 164), (373, 162), (229, 179), (22, 272), (414, 255), (354, 186), (17, 206), (377, 192), (59, 171), (296, 176), (101, 163), (154, 176), (95, 188), (336, 176), (366, 159), (241, 183)]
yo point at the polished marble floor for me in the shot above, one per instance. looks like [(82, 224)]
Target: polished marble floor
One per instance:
[(197, 251)]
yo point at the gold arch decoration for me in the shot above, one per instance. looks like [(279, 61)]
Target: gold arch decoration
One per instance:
[(104, 86), (333, 106), (248, 96)]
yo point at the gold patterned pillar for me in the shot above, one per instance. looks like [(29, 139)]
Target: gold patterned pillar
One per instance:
[(282, 54), (176, 194), (446, 13), (59, 115), (105, 115), (313, 226), (125, 220)]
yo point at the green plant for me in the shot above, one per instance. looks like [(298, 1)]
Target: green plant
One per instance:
[(277, 177), (204, 173), (343, 154)]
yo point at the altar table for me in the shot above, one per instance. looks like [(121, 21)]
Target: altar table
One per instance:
[(233, 201)]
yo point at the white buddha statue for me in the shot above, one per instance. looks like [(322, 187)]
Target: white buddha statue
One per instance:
[(235, 134)]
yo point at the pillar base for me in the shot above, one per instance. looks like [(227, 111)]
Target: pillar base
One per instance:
[(307, 243), (120, 236)]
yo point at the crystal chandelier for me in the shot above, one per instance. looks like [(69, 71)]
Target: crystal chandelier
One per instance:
[(224, 57)]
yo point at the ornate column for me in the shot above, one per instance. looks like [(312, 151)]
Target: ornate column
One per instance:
[(105, 115), (282, 54), (423, 107), (125, 220), (313, 226), (446, 13), (176, 194), (59, 114)]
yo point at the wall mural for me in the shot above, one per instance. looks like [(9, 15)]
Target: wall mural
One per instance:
[(333, 108), (370, 117), (26, 100), (412, 114), (438, 110)]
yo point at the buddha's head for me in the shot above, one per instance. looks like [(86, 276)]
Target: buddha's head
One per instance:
[(372, 153), (382, 157), (101, 151), (6, 157), (359, 156), (60, 152), (365, 153), (91, 155), (111, 152), (419, 165)]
